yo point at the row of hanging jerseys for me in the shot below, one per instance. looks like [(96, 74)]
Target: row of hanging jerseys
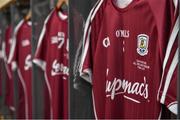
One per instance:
[(130, 57), (51, 55)]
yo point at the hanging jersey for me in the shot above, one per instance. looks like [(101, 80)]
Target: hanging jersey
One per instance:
[(52, 56), (9, 78), (20, 58), (122, 58)]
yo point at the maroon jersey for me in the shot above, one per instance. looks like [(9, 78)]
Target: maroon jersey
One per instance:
[(9, 79), (20, 58), (52, 56), (123, 56)]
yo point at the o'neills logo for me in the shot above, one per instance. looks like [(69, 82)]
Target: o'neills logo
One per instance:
[(59, 69), (118, 86)]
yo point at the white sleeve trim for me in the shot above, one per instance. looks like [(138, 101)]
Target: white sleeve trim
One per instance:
[(87, 75), (12, 108), (40, 63), (13, 45), (14, 65), (173, 107)]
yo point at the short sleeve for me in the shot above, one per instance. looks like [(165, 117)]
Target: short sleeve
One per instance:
[(168, 90), (91, 31), (13, 58), (168, 85), (40, 54)]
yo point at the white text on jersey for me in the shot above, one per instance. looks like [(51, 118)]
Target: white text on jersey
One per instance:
[(122, 33), (106, 42), (59, 39), (118, 86), (59, 69), (28, 62)]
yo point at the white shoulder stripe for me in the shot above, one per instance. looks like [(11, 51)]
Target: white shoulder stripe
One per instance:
[(175, 5), (89, 19), (13, 45), (95, 11), (171, 41), (169, 76), (43, 32), (86, 41), (88, 72)]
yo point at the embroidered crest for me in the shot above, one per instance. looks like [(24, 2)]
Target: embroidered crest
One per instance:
[(142, 44)]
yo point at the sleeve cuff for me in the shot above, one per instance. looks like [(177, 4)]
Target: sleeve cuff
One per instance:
[(12, 108), (87, 75), (14, 65), (173, 107), (40, 63)]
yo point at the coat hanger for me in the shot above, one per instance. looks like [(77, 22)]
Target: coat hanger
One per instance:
[(28, 16), (60, 3)]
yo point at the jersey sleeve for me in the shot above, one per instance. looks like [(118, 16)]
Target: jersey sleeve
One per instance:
[(168, 85), (91, 29), (13, 58), (168, 90), (40, 54)]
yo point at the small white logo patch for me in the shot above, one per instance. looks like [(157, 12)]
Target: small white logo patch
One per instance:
[(142, 44), (106, 42), (25, 43)]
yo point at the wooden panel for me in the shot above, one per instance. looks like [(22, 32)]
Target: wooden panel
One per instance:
[(5, 3)]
